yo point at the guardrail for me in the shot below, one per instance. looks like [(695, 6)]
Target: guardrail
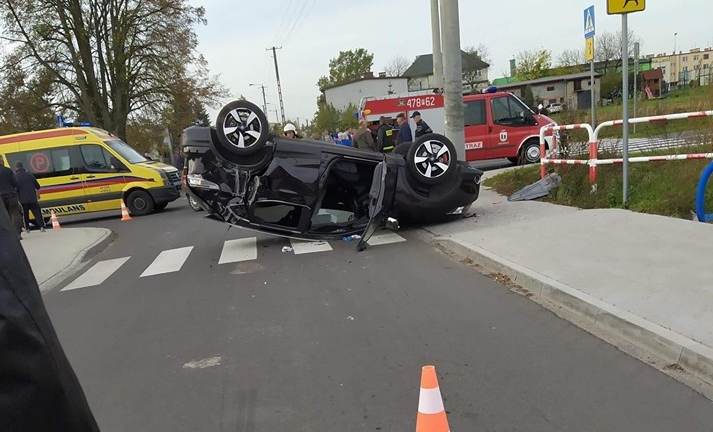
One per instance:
[(594, 161)]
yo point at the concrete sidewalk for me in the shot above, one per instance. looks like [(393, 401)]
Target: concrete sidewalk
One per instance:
[(56, 255), (641, 282)]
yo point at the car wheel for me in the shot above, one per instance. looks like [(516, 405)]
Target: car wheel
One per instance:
[(431, 159), (139, 203), (193, 204), (242, 128), (530, 152)]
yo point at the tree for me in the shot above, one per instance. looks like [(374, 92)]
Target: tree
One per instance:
[(347, 66), (326, 119), (571, 57), (25, 101), (481, 50), (397, 66), (107, 59), (472, 66), (533, 64), (608, 49), (347, 119)]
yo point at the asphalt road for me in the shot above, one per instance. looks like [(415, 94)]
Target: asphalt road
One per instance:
[(334, 341)]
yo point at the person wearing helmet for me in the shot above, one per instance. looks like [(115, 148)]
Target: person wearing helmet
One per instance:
[(290, 131)]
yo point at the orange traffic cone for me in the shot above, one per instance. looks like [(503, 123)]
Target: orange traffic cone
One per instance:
[(431, 413), (55, 222), (124, 212)]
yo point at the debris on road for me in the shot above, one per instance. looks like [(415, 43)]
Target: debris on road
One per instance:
[(538, 189), (352, 237), (204, 363), (286, 249)]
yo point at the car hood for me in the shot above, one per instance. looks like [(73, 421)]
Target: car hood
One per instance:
[(160, 166), (543, 120)]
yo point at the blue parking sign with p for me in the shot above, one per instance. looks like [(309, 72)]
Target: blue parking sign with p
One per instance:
[(589, 24)]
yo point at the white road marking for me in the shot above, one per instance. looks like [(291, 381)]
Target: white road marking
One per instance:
[(384, 239), (97, 274), (204, 363), (168, 261), (237, 250), (304, 247)]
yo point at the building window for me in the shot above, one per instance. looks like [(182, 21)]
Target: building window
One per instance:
[(695, 58), (685, 59), (550, 88), (706, 56)]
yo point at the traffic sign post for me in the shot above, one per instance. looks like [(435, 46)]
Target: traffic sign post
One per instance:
[(589, 32), (624, 8)]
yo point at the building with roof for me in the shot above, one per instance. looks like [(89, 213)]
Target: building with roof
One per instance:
[(679, 69), (350, 93), (420, 73), (573, 90), (652, 83)]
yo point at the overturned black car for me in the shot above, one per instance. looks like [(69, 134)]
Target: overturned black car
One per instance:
[(244, 175)]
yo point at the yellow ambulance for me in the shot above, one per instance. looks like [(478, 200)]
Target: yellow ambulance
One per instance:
[(85, 170)]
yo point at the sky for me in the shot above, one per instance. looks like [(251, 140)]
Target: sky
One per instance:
[(311, 32)]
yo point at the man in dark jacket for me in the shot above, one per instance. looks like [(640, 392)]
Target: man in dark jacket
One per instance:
[(405, 134), (39, 390), (384, 135), (8, 196), (422, 127), (28, 191)]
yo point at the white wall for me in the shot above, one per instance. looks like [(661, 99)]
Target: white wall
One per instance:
[(340, 97)]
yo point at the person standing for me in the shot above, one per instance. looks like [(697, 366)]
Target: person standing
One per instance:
[(383, 136), (178, 160), (422, 127), (405, 134), (363, 139), (8, 195), (28, 190)]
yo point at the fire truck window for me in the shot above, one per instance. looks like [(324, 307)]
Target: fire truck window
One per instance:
[(474, 113), (501, 111)]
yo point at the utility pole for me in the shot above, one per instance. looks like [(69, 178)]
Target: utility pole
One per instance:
[(453, 74), (264, 99), (636, 73), (277, 75), (436, 39)]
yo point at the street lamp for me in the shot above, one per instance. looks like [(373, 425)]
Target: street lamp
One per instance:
[(264, 99)]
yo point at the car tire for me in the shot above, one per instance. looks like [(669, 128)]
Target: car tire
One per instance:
[(242, 128), (193, 204), (530, 152), (139, 203), (431, 160), (160, 206)]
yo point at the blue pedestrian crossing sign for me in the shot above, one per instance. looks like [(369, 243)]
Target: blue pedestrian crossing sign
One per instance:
[(589, 24)]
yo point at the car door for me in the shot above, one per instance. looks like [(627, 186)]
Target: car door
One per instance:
[(61, 186), (478, 144), (103, 177), (511, 125), (383, 187)]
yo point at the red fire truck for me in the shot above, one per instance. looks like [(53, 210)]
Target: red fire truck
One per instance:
[(497, 124)]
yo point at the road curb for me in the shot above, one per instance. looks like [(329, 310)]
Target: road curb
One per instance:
[(676, 355), (79, 262)]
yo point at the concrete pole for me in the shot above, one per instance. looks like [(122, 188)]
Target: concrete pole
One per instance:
[(436, 39), (625, 105), (453, 74)]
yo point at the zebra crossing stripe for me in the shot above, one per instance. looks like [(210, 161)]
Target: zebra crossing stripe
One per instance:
[(237, 250), (96, 274), (304, 247), (168, 261)]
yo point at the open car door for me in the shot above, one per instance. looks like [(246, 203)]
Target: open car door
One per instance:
[(381, 196)]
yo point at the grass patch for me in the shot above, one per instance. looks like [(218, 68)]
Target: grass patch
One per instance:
[(684, 100), (662, 188)]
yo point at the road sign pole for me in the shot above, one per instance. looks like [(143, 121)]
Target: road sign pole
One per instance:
[(592, 89), (625, 105), (636, 75)]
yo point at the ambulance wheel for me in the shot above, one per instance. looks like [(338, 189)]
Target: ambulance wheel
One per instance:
[(139, 203), (242, 128), (431, 160)]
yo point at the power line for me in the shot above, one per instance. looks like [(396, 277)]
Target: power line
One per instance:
[(300, 16)]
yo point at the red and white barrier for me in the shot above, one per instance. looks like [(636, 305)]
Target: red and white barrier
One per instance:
[(594, 161)]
